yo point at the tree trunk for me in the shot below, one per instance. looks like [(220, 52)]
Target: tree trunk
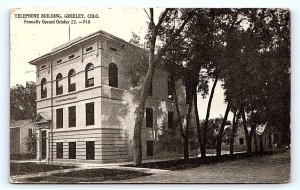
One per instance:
[(253, 135), (261, 145), (234, 130), (221, 131), (203, 150), (255, 143), (247, 136), (199, 131), (233, 123), (188, 123), (179, 120), (140, 111)]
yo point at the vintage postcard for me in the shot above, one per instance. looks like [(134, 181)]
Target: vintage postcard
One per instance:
[(150, 95)]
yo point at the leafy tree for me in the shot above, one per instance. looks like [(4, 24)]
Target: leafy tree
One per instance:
[(22, 101), (152, 63)]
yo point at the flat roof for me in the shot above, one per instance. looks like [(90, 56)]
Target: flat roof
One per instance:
[(77, 41)]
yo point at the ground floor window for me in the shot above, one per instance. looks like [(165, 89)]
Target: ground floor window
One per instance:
[(59, 150), (90, 150), (276, 138), (241, 140), (149, 148), (72, 150), (170, 120)]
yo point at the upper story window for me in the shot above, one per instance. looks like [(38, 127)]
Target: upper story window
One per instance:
[(59, 86), (88, 49), (113, 49), (113, 75), (71, 56), (43, 88), (170, 120), (43, 66), (71, 81), (89, 75), (150, 89), (72, 116), (171, 88), (149, 117), (89, 113), (59, 118)]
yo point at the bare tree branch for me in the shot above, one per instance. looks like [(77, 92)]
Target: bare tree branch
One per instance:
[(161, 19), (147, 14), (172, 39)]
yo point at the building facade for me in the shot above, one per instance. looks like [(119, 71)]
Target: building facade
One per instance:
[(86, 101), (20, 133)]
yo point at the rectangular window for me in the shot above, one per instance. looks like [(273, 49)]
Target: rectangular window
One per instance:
[(43, 66), (43, 91), (30, 133), (149, 148), (89, 112), (150, 89), (88, 49), (170, 89), (59, 87), (90, 150), (170, 120), (113, 49), (241, 140), (71, 56), (59, 150), (72, 116), (149, 117), (72, 150), (59, 118), (276, 138), (59, 61)]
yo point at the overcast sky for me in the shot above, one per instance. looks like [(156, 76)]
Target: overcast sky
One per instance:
[(29, 41)]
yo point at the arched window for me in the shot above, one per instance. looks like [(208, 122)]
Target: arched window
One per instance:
[(113, 75), (59, 86), (71, 81), (89, 75), (43, 88)]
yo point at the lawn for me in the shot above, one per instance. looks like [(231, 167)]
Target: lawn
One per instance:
[(182, 164), (274, 168), (33, 168), (88, 176)]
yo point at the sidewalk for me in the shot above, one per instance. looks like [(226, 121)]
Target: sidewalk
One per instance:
[(82, 166)]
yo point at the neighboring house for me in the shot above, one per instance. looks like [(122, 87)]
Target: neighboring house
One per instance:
[(20, 131), (266, 137), (86, 103), (239, 141)]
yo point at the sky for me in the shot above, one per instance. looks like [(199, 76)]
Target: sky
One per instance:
[(29, 41)]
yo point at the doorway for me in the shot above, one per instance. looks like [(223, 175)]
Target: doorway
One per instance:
[(44, 144)]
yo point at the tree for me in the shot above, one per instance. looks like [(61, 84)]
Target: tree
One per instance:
[(154, 59), (22, 101)]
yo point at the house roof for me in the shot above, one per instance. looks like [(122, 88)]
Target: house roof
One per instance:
[(42, 118), (19, 123), (261, 128)]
